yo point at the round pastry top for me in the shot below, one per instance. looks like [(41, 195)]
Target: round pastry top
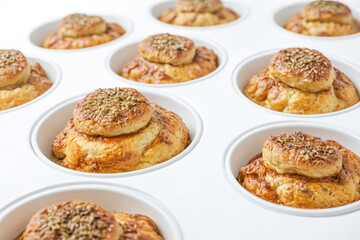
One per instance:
[(198, 5), (303, 154), (112, 112), (302, 68), (14, 67), (76, 219), (76, 25), (325, 11), (167, 48)]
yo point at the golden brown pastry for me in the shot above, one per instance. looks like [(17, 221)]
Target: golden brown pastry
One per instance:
[(300, 170), (166, 58), (140, 141), (82, 31), (137, 226), (20, 82), (198, 13), (324, 18), (77, 219), (301, 81)]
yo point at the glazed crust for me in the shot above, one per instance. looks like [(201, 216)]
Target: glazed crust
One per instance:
[(198, 19), (77, 25), (163, 138), (137, 226), (75, 218), (270, 92), (167, 48), (332, 20), (296, 190), (302, 68), (141, 70), (14, 69), (113, 31), (35, 85), (112, 112), (198, 6)]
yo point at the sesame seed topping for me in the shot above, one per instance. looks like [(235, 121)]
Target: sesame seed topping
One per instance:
[(8, 59), (79, 222), (312, 147), (303, 60), (168, 42), (328, 6), (111, 103), (81, 20)]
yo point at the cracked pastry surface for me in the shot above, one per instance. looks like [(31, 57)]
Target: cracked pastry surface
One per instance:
[(160, 138), (166, 59), (77, 219), (20, 82), (198, 13), (301, 81), (324, 18), (81, 31), (303, 171)]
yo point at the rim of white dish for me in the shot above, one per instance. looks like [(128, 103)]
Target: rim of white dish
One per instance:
[(55, 81), (142, 196), (326, 212), (128, 22), (304, 116), (243, 15), (39, 121), (219, 48), (307, 37)]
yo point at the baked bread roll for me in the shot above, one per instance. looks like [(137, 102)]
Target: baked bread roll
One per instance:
[(77, 219), (166, 59), (303, 171), (324, 18), (136, 141), (198, 13), (20, 82), (301, 81), (74, 219), (82, 31)]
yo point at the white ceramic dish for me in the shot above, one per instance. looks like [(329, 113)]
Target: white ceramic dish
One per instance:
[(284, 13), (249, 143), (38, 34), (116, 60), (255, 63), (53, 73), (54, 121), (239, 7), (116, 198)]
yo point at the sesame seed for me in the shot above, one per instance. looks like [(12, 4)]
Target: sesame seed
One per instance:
[(8, 59), (168, 42)]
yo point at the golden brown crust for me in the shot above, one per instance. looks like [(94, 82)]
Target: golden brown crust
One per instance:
[(324, 18), (163, 138), (141, 70), (56, 41), (198, 6), (77, 25), (112, 112), (302, 68), (268, 91), (167, 48), (301, 153), (14, 68), (327, 11), (297, 190), (75, 218), (198, 19), (35, 85), (137, 226)]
